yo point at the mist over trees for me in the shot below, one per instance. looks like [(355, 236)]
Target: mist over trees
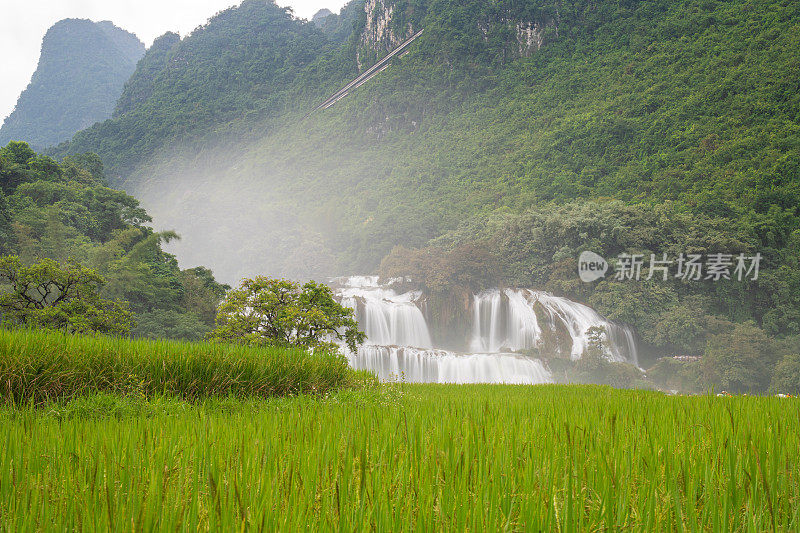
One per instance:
[(63, 212)]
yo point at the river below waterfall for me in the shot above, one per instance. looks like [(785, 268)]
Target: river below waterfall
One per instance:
[(507, 326)]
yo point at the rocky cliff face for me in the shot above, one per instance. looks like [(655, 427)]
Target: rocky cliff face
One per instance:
[(386, 26), (387, 23), (523, 37), (531, 35)]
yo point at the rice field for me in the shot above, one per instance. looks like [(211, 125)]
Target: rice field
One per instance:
[(39, 367), (404, 458)]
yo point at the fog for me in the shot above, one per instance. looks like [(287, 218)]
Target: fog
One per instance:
[(279, 205)]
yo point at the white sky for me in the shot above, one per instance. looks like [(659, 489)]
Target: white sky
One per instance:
[(23, 23)]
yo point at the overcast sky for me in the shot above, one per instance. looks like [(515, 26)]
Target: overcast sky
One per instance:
[(23, 23)]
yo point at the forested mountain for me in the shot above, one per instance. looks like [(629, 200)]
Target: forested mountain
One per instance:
[(652, 126), (246, 65), (82, 68)]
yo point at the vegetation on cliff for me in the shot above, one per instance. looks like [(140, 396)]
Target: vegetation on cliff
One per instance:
[(530, 130)]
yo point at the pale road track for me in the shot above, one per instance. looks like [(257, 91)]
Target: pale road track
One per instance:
[(368, 74)]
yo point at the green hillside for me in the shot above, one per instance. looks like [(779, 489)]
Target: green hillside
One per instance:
[(663, 126), (245, 65), (82, 68)]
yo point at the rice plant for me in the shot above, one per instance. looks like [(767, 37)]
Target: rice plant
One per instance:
[(39, 367), (405, 458)]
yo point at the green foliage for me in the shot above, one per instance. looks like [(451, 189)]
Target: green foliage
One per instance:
[(41, 367), (413, 458), (202, 293), (786, 376), (739, 360), (273, 312), (64, 212), (62, 297), (618, 103), (169, 324), (540, 247), (470, 266), (82, 68), (649, 127), (671, 374), (246, 62), (594, 368), (140, 85)]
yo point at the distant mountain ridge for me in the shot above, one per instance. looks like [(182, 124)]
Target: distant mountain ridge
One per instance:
[(82, 68)]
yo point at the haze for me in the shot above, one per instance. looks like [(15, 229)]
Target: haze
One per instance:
[(23, 25)]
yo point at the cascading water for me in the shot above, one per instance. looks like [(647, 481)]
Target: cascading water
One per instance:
[(517, 319), (388, 318), (441, 366), (399, 344)]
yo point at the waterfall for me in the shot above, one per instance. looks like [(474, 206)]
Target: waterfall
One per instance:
[(503, 324), (508, 321), (387, 318), (441, 366), (399, 344)]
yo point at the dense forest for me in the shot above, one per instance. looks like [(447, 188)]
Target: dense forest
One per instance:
[(65, 211), (246, 65), (82, 68), (523, 132)]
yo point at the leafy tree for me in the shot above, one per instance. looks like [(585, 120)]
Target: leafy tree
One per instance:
[(14, 170), (145, 275), (202, 293), (786, 375), (739, 360), (54, 296), (593, 367), (7, 240), (592, 360), (264, 311)]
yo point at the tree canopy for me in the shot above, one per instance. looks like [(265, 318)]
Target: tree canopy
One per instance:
[(63, 297), (265, 311), (63, 212)]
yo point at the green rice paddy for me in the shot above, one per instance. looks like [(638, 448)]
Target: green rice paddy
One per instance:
[(402, 458)]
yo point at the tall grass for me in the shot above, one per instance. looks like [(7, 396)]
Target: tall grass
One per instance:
[(39, 366), (456, 458)]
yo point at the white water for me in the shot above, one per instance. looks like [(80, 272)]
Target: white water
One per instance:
[(386, 317), (403, 363), (507, 321), (399, 345)]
